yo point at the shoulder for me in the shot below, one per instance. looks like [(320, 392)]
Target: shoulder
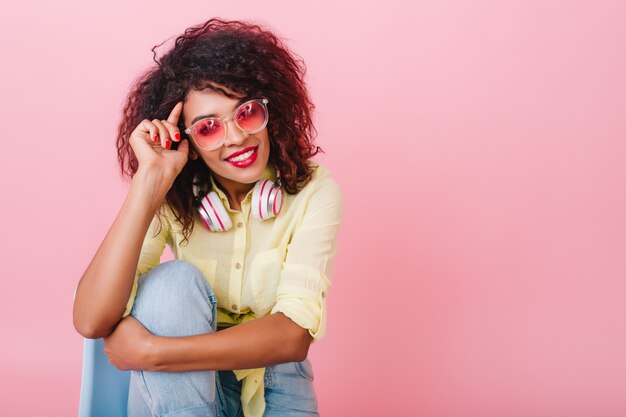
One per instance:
[(322, 178), (164, 216), (322, 182), (323, 190)]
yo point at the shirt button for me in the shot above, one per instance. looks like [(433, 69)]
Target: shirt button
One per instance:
[(234, 306), (237, 265), (239, 225), (323, 294)]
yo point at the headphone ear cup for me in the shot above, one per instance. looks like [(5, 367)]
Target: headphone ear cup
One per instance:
[(267, 200), (213, 213), (276, 200)]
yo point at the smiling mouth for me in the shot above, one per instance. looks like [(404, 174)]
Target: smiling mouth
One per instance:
[(242, 156)]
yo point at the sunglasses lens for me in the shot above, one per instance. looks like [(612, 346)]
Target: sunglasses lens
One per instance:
[(208, 133), (251, 116)]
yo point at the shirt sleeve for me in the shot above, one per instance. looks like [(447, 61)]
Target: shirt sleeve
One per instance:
[(305, 277), (153, 244)]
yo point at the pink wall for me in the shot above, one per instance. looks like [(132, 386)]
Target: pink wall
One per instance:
[(481, 148)]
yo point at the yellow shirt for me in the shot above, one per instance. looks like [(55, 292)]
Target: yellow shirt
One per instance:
[(283, 264)]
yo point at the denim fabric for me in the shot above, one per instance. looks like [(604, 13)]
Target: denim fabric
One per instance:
[(174, 299)]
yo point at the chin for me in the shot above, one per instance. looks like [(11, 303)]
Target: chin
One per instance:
[(248, 175)]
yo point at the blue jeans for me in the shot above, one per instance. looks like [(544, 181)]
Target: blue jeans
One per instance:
[(174, 299)]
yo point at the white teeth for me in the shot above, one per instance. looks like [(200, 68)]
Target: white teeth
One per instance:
[(242, 156)]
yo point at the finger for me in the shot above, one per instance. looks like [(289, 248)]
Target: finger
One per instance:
[(164, 134), (173, 130), (183, 148), (149, 129), (182, 154), (175, 113)]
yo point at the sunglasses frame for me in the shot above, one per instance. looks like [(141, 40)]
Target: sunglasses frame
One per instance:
[(224, 120)]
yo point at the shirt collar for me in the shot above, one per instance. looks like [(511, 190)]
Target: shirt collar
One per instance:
[(269, 172)]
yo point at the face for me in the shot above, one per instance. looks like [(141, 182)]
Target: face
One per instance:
[(230, 175)]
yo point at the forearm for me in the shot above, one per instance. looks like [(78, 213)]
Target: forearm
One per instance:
[(106, 284), (254, 344)]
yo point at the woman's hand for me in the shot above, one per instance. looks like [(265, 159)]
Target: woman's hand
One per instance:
[(152, 142), (130, 346)]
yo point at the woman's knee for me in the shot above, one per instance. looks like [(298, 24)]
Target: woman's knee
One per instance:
[(175, 299), (176, 274)]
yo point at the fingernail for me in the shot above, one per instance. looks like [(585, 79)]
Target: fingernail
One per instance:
[(154, 138), (168, 144), (177, 136)]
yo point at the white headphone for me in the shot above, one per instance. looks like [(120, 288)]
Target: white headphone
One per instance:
[(267, 200)]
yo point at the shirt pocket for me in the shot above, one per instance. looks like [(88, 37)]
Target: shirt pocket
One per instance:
[(264, 275)]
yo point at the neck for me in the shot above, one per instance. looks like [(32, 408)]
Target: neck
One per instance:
[(235, 191)]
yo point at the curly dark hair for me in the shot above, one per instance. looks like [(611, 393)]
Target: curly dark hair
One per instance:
[(246, 58)]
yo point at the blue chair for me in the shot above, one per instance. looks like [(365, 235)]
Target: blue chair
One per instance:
[(104, 388)]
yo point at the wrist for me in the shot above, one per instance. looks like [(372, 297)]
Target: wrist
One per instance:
[(153, 353), (152, 185), (154, 177)]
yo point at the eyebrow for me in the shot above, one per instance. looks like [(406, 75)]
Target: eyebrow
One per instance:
[(239, 103)]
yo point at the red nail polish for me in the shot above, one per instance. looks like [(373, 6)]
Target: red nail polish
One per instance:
[(155, 138), (168, 144), (177, 136)]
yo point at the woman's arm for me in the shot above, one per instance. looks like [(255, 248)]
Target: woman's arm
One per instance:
[(257, 343), (106, 284), (253, 344)]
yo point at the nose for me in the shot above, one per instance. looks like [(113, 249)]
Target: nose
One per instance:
[(234, 135)]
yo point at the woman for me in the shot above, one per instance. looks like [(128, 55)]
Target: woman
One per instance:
[(217, 140)]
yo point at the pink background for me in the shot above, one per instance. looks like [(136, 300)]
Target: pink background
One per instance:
[(481, 149)]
